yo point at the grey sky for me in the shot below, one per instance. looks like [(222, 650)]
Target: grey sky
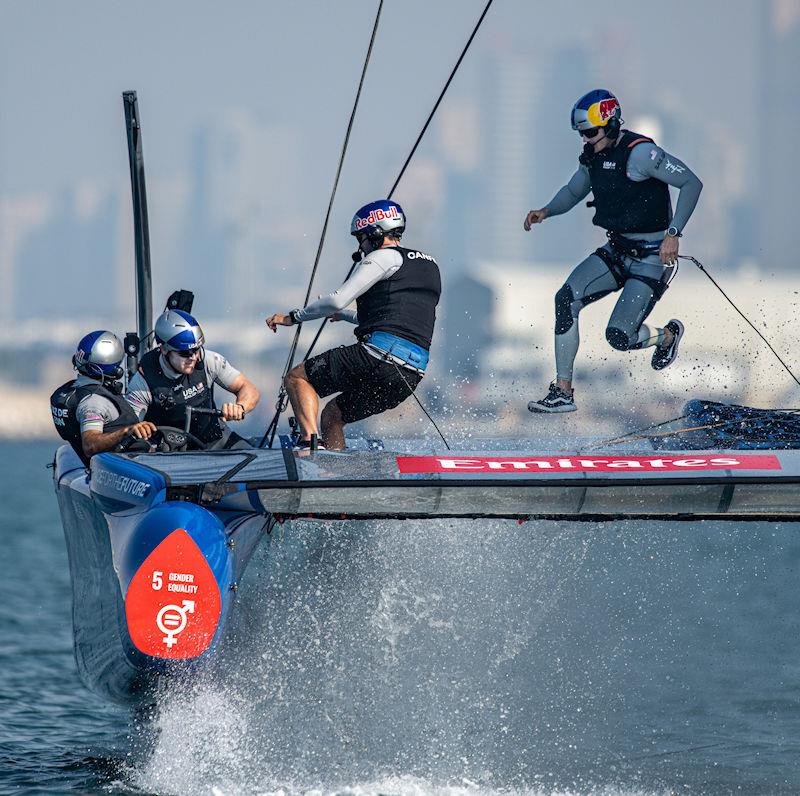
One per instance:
[(65, 64), (293, 67)]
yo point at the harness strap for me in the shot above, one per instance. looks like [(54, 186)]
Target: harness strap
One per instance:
[(658, 286), (385, 356), (632, 248), (613, 261)]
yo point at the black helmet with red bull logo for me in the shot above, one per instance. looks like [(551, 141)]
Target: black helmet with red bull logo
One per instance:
[(598, 108), (375, 221)]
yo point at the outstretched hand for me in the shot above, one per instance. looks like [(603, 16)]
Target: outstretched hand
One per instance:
[(535, 217), (278, 319)]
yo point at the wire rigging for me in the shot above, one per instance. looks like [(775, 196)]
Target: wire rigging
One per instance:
[(413, 150), (282, 401), (641, 433), (746, 319)]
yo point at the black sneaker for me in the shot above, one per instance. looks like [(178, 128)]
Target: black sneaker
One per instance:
[(556, 400), (663, 357)]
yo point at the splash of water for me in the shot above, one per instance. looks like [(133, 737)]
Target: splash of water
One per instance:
[(396, 657)]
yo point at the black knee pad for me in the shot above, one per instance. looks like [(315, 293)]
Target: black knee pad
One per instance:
[(618, 339), (564, 317)]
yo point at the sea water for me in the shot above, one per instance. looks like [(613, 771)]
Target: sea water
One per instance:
[(422, 657)]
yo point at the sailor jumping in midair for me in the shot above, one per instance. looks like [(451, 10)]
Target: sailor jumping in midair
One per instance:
[(629, 176)]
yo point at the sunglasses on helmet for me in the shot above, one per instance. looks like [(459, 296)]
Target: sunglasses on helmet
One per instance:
[(187, 354), (591, 132)]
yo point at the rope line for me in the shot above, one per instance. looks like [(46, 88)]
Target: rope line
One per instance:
[(283, 398)]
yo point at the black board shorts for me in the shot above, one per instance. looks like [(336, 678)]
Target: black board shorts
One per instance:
[(368, 385)]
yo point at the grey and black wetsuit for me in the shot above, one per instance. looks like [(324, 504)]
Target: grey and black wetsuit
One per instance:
[(631, 198), (160, 394), (85, 404)]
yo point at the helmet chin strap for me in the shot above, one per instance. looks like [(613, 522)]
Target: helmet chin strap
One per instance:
[(369, 243), (589, 146)]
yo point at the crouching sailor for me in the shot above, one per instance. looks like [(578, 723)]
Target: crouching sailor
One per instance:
[(396, 291), (180, 374), (629, 176), (89, 412)]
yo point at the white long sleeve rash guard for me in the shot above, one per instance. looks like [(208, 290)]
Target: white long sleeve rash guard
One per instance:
[(378, 265)]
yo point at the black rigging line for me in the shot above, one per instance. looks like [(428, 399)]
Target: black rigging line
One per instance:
[(641, 433), (280, 406), (413, 150), (441, 97), (282, 401), (769, 345), (420, 404)]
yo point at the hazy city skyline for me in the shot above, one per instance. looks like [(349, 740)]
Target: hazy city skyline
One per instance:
[(250, 104), (244, 110)]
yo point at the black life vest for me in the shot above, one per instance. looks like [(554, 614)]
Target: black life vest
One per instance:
[(622, 205), (171, 397), (64, 404), (405, 303)]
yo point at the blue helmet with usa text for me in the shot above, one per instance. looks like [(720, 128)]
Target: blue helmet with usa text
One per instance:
[(176, 330), (383, 217), (99, 355), (598, 108)]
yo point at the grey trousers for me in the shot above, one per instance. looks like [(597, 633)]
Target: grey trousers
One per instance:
[(592, 280)]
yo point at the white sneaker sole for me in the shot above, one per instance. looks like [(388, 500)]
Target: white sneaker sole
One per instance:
[(538, 408), (678, 337)]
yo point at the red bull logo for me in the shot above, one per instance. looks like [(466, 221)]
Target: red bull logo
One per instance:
[(377, 215), (607, 107)]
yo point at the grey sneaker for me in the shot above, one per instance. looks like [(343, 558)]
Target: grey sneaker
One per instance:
[(663, 357), (556, 400)]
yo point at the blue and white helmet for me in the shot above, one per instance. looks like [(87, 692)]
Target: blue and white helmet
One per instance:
[(598, 108), (383, 217), (176, 330), (99, 355)]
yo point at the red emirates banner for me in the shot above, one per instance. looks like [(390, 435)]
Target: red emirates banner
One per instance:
[(564, 465)]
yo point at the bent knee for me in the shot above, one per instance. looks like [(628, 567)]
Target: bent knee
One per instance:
[(564, 317), (618, 339), (296, 374), (331, 414)]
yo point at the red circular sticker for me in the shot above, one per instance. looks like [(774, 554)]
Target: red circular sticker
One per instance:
[(173, 602)]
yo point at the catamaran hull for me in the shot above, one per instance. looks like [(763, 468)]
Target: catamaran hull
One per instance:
[(158, 542), (153, 581)]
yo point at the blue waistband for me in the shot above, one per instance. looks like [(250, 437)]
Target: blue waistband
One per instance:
[(411, 354)]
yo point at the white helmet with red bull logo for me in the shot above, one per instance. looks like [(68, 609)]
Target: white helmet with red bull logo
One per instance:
[(373, 222), (598, 108)]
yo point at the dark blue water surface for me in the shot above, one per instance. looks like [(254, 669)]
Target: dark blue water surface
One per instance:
[(430, 657)]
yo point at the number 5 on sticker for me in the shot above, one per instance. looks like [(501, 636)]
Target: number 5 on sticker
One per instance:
[(157, 583)]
